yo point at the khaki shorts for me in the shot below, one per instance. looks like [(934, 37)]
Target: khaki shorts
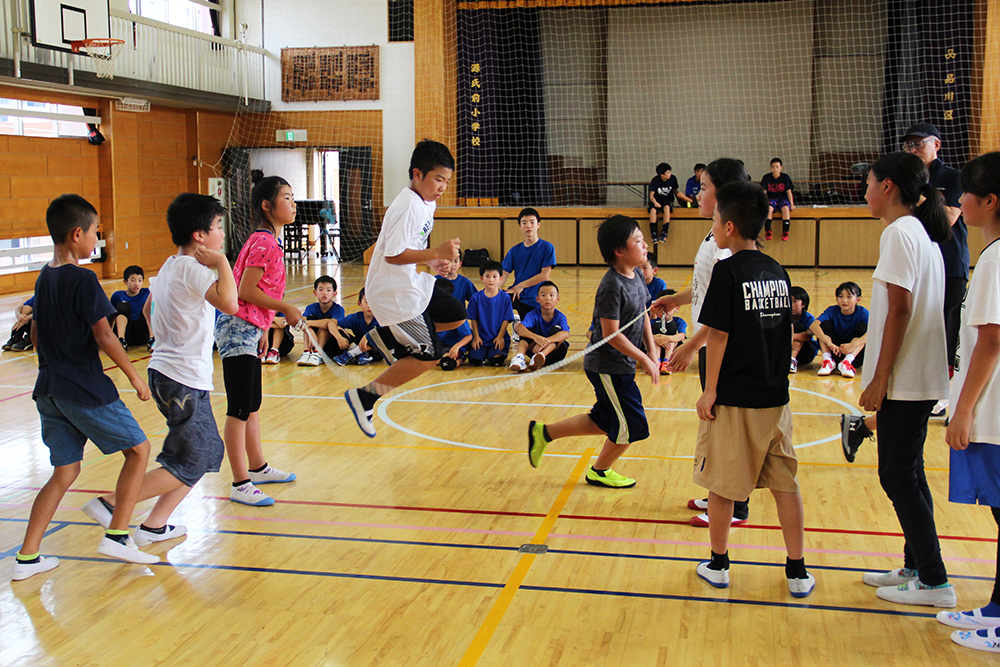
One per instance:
[(744, 449)]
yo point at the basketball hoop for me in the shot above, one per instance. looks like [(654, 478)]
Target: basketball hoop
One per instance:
[(102, 51)]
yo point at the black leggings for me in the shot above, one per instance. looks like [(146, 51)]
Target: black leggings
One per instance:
[(243, 389), (954, 294), (902, 429)]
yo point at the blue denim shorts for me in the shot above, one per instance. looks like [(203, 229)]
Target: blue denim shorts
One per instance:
[(192, 446), (234, 336), (66, 427)]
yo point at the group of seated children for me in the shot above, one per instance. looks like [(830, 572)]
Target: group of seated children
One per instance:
[(839, 332), (20, 331), (340, 336), (130, 323)]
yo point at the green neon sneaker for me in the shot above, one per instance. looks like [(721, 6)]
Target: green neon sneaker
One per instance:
[(609, 478), (536, 443)]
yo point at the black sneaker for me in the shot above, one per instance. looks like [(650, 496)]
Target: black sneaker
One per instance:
[(9, 344), (853, 432), (23, 346), (124, 344), (149, 344)]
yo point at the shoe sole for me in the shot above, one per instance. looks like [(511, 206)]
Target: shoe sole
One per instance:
[(594, 482), (358, 417), (698, 522), (93, 516), (714, 584), (290, 478), (267, 502)]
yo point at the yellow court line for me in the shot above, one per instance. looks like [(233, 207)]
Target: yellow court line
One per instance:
[(492, 620)]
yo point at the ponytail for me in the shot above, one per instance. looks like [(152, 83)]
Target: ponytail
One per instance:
[(911, 179), (931, 212)]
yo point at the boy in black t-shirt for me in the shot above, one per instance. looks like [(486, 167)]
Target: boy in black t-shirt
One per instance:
[(778, 187), (662, 189), (75, 399), (745, 437)]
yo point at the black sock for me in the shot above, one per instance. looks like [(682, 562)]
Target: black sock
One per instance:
[(367, 399), (236, 484), (262, 468), (120, 539), (741, 509), (29, 561), (863, 429), (108, 506), (719, 561), (795, 569), (155, 531), (545, 433), (598, 470)]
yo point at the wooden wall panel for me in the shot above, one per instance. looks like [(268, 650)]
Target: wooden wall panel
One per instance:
[(849, 242), (560, 232), (473, 233)]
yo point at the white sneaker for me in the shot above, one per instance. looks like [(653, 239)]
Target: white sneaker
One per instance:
[(362, 416), (800, 588), (537, 362), (718, 578), (914, 592), (96, 510), (846, 369), (248, 494), (519, 363), (794, 366), (698, 504), (304, 358), (968, 620), (890, 578), (315, 359), (144, 537), (21, 571), (981, 640), (940, 408), (271, 475), (826, 368), (128, 551)]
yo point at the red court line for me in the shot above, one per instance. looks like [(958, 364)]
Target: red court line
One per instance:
[(23, 393), (578, 517)]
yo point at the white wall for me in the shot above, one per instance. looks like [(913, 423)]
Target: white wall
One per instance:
[(690, 84), (289, 163), (307, 23)]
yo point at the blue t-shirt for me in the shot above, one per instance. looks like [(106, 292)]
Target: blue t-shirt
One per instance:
[(461, 287), (693, 187), (449, 338), (806, 319), (672, 327), (315, 312), (655, 286), (68, 302), (536, 324), (356, 323), (490, 312), (843, 325), (136, 302), (30, 303), (527, 262)]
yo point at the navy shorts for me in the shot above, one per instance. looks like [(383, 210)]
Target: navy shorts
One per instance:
[(974, 476), (66, 427), (779, 203), (618, 411), (192, 446)]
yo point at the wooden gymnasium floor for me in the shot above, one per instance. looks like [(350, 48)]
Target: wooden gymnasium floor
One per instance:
[(403, 550)]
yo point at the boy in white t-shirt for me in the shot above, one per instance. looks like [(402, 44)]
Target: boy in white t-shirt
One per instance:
[(181, 313), (408, 306)]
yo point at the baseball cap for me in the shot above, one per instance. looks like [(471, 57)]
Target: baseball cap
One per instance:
[(922, 130)]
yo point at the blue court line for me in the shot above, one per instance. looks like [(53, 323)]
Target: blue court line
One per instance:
[(511, 549), (543, 589), (56, 528)]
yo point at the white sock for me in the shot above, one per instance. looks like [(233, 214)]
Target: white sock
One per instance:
[(827, 355), (354, 351), (849, 358)]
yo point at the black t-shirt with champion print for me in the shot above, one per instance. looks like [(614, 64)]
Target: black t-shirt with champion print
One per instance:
[(748, 298)]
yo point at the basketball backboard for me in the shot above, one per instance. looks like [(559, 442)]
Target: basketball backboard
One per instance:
[(57, 23)]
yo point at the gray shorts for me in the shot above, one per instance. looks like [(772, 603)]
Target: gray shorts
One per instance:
[(235, 336), (192, 446)]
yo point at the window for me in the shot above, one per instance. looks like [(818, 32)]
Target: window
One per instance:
[(41, 127), (181, 13), (400, 20), (17, 255)]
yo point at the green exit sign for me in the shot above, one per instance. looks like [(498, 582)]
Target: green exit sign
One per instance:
[(285, 136)]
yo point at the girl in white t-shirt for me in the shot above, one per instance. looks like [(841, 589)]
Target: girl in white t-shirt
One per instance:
[(718, 173), (974, 430), (906, 370)]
